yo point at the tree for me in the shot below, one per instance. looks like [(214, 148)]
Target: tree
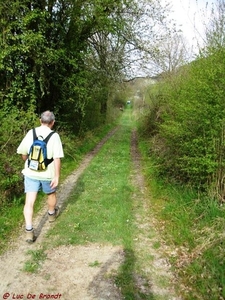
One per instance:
[(170, 54), (49, 46), (215, 30)]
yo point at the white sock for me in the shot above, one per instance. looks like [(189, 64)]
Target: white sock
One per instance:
[(29, 227)]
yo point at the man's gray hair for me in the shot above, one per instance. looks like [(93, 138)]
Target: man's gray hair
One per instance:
[(47, 117)]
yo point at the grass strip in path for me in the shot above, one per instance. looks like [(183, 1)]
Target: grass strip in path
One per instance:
[(99, 209)]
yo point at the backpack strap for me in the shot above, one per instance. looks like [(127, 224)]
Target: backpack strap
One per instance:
[(34, 134), (48, 137), (48, 161)]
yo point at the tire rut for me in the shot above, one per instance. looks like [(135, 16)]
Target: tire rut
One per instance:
[(156, 280)]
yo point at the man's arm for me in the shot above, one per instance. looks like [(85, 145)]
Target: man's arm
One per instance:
[(55, 180), (24, 157)]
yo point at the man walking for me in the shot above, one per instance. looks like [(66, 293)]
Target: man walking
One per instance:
[(46, 180)]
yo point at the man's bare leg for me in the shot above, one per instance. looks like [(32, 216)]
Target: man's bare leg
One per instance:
[(28, 209), (51, 202), (53, 210), (28, 215)]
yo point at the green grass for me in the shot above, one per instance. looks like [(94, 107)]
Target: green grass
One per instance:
[(95, 264), (37, 257)]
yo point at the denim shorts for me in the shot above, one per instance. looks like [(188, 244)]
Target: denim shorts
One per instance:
[(34, 185)]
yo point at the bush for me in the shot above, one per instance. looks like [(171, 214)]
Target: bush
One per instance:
[(188, 137), (14, 124)]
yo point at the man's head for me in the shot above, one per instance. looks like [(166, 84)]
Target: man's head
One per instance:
[(47, 118)]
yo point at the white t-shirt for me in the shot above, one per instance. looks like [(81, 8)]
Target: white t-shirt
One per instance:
[(54, 150)]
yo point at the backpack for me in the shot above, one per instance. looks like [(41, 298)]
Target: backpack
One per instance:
[(37, 157)]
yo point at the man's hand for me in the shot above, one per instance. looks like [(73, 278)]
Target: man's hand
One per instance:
[(54, 183)]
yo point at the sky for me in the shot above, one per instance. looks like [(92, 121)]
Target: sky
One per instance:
[(191, 15)]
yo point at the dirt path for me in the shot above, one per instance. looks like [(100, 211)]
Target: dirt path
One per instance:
[(68, 272)]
